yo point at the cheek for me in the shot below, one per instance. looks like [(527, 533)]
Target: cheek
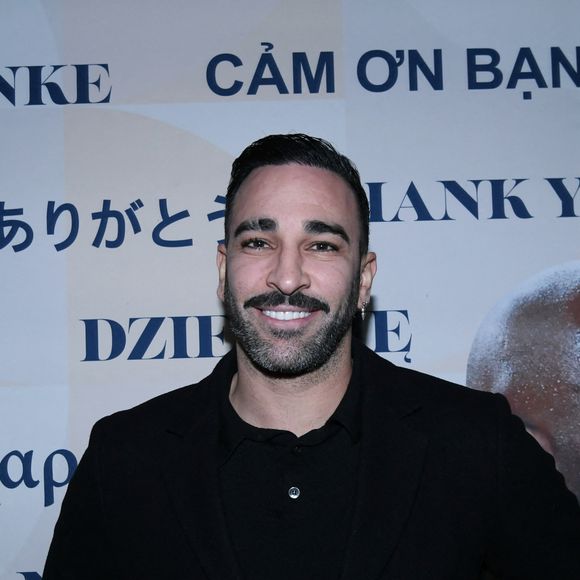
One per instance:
[(244, 276), (333, 278)]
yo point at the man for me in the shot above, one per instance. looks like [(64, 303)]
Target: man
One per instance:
[(528, 349), (304, 455)]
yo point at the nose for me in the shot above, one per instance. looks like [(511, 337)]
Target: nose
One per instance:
[(288, 274)]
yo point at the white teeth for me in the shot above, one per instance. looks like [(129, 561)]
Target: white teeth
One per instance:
[(289, 315)]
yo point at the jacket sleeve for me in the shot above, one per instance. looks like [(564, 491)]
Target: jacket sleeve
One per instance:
[(537, 536), (78, 548)]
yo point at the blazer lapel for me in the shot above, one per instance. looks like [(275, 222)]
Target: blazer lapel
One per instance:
[(191, 476), (390, 470)]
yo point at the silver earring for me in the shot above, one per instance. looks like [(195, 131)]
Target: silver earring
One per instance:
[(363, 311)]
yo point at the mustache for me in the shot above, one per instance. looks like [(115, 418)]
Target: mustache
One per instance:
[(297, 300)]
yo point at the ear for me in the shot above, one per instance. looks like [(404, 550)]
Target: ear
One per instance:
[(368, 269), (221, 260)]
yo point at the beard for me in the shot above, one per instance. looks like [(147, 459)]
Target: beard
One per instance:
[(299, 354)]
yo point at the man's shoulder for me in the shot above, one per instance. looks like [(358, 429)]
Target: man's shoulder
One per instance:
[(445, 412), (178, 409), (408, 387)]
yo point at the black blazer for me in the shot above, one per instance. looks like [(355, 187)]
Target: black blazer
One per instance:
[(449, 482)]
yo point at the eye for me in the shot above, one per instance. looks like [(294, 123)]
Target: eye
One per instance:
[(255, 244), (323, 247)]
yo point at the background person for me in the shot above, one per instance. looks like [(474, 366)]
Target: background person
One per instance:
[(528, 348)]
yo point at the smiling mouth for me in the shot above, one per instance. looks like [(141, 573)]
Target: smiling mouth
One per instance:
[(286, 315), (267, 302)]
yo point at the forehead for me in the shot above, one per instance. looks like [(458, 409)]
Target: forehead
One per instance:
[(298, 193)]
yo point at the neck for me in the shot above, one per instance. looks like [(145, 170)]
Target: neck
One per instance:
[(296, 404)]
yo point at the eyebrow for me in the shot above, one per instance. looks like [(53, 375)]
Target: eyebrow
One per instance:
[(310, 227), (319, 227), (256, 225)]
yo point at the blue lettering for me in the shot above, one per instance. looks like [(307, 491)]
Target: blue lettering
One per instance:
[(526, 57), (566, 198), (210, 75), (417, 204), (50, 483), (391, 63), (180, 336), (84, 84), (8, 90), (324, 68), (106, 339), (376, 201), (118, 339), (499, 199), (37, 83), (25, 471), (434, 77), (267, 62), (207, 335), (558, 60), (43, 88), (392, 331), (490, 67), (146, 338), (461, 195)]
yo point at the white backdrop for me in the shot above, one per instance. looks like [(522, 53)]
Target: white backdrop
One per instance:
[(119, 120)]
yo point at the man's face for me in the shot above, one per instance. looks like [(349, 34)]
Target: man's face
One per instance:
[(291, 278)]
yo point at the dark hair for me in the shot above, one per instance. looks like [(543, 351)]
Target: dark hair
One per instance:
[(302, 150)]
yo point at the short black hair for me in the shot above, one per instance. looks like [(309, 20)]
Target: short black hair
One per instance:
[(299, 149)]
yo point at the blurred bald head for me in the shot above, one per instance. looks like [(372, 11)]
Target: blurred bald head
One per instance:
[(528, 348)]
